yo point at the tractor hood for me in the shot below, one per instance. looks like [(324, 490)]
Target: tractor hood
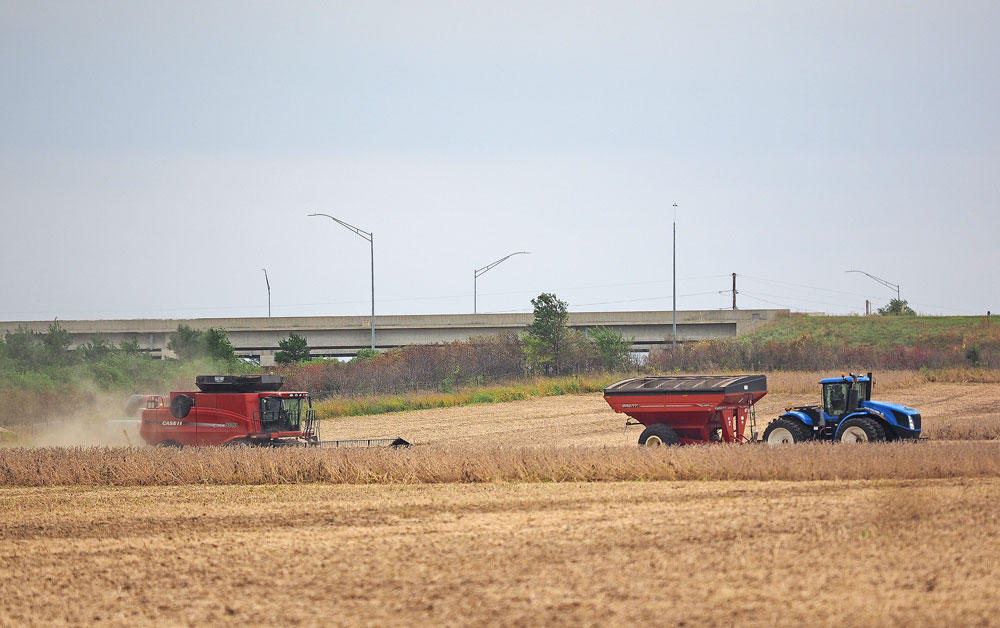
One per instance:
[(885, 406)]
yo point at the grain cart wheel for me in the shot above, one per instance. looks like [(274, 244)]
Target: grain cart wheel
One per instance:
[(180, 406), (659, 434), (782, 431), (861, 430)]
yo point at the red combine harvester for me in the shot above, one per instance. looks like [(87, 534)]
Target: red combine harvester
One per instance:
[(239, 410), (684, 410)]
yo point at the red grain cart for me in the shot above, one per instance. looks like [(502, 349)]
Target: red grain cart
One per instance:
[(688, 409)]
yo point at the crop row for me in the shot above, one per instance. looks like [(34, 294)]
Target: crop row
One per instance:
[(427, 464)]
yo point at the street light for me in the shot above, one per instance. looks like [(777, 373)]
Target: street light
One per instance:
[(268, 292), (367, 235), (482, 271), (887, 284)]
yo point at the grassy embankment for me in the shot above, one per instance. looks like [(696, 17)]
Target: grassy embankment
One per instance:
[(497, 393), (882, 331)]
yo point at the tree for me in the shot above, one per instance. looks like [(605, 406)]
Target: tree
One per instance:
[(293, 349), (546, 338), (23, 347), (365, 355), (218, 346), (97, 350), (612, 347), (897, 307), (190, 344), (130, 346), (187, 343)]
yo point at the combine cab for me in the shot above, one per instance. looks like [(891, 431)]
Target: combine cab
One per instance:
[(848, 414), (238, 410), (685, 410)]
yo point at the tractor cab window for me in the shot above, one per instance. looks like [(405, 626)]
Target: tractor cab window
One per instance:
[(835, 398)]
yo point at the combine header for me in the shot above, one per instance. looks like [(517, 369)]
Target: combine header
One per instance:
[(684, 410), (240, 410)]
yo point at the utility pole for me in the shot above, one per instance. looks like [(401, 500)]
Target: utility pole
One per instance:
[(734, 291), (268, 292), (674, 343)]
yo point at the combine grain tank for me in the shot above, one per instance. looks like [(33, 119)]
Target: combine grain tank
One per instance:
[(689, 408)]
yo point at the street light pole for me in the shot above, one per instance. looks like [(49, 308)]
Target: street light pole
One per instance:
[(483, 270), (887, 284), (268, 292), (370, 237)]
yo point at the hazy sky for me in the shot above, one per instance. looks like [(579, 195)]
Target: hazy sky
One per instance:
[(154, 156)]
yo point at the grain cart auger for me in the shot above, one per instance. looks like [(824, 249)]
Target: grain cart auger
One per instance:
[(683, 410), (848, 414), (240, 410)]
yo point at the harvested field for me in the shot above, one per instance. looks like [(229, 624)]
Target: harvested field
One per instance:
[(861, 553), (949, 411), (515, 515)]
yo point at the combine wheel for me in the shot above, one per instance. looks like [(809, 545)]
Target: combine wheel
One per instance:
[(782, 431), (861, 430), (659, 434), (170, 443)]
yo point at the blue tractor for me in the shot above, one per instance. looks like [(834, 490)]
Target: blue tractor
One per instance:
[(848, 414)]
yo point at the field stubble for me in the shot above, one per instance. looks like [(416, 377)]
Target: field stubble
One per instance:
[(859, 553)]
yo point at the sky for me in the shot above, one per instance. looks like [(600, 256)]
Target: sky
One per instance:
[(156, 156)]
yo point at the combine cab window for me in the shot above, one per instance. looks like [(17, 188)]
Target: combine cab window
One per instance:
[(293, 413), (280, 415)]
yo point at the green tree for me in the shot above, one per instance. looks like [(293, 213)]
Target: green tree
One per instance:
[(294, 349), (23, 347), (365, 355), (187, 343), (612, 347), (55, 345), (190, 344), (97, 350), (897, 307), (218, 346), (130, 346), (545, 341)]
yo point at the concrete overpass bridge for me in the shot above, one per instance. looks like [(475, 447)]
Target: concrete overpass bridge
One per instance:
[(343, 336)]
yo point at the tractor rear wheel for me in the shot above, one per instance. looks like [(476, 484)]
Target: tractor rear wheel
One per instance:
[(861, 430), (659, 434), (784, 431)]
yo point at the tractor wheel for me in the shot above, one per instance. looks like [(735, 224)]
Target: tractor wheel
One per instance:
[(659, 434), (782, 431), (861, 430)]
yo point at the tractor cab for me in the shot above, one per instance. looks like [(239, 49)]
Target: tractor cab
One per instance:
[(843, 395)]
